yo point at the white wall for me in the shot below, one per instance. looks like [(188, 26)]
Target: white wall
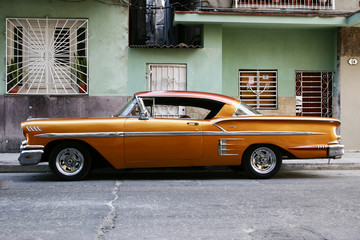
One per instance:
[(350, 103), (346, 5)]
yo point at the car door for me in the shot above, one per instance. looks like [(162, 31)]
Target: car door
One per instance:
[(157, 142)]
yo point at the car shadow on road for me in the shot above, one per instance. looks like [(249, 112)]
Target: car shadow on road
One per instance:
[(192, 174), (207, 173)]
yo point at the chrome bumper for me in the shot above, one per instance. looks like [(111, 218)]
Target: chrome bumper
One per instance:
[(335, 151), (30, 154)]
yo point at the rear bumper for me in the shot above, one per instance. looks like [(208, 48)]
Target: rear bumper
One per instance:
[(30, 154), (335, 151)]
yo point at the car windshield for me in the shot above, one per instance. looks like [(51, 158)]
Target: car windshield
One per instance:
[(129, 109), (245, 110)]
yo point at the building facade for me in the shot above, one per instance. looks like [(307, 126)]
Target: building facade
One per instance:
[(84, 58)]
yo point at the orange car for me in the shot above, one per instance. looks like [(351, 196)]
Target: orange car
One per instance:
[(176, 129)]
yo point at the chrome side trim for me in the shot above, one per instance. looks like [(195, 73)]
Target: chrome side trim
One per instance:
[(216, 133), (219, 127), (310, 147), (167, 134), (222, 146), (260, 133), (81, 135), (162, 134), (277, 119)]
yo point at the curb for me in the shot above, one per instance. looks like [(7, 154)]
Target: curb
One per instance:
[(319, 166), (24, 169)]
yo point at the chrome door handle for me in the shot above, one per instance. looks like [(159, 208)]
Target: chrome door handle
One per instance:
[(193, 123)]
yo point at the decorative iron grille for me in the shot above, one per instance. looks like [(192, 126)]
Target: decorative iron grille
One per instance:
[(258, 88), (314, 93), (46, 56)]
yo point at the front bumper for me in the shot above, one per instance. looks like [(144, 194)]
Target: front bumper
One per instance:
[(30, 154), (335, 151)]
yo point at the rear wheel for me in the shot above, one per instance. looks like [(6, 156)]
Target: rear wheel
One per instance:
[(70, 161), (262, 161)]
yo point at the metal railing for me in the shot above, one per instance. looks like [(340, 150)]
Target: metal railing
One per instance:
[(270, 4), (286, 4)]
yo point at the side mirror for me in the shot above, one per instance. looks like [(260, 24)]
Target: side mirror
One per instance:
[(144, 116)]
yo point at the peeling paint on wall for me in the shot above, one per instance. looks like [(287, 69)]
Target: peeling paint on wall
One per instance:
[(15, 109)]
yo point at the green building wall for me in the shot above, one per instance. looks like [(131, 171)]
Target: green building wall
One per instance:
[(215, 67), (108, 36), (204, 65), (107, 59), (285, 50)]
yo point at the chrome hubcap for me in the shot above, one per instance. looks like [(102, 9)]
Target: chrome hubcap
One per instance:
[(263, 160), (69, 161)]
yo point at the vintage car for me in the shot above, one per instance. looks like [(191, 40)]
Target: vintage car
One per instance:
[(177, 129)]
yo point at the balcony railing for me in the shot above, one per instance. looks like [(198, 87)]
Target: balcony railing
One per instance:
[(286, 4), (270, 4)]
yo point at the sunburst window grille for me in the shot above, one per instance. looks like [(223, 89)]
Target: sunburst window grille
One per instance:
[(46, 56), (258, 88)]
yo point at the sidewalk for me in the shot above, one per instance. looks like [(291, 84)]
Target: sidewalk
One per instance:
[(350, 161)]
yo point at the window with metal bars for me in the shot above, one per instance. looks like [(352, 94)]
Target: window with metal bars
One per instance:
[(258, 88), (46, 56), (314, 93), (167, 77)]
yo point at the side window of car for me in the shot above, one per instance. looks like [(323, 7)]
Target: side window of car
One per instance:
[(240, 112), (135, 111)]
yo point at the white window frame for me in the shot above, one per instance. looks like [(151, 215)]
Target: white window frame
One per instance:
[(257, 87), (167, 77), (54, 56)]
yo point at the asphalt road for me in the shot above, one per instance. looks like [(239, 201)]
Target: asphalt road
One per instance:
[(181, 205)]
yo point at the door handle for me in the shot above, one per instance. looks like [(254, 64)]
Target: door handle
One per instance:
[(193, 123)]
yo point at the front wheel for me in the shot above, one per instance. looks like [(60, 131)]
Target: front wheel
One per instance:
[(262, 161), (70, 161)]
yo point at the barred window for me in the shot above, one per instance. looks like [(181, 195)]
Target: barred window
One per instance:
[(46, 56), (314, 93), (165, 77), (258, 88)]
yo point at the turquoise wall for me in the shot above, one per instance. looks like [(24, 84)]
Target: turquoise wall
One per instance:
[(116, 70), (286, 50), (108, 37), (204, 65)]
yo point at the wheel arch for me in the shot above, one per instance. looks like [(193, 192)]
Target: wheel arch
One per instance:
[(98, 159)]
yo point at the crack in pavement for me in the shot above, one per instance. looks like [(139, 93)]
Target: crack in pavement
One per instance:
[(108, 223)]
